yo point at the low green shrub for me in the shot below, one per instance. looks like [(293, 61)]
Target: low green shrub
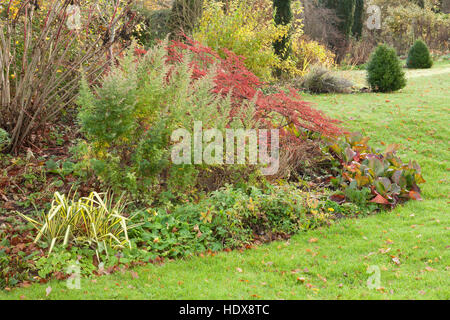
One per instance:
[(384, 70), (242, 216), (232, 218), (128, 122), (378, 177), (419, 56), (60, 262)]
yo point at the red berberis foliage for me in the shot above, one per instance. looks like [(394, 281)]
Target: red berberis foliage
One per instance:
[(232, 76)]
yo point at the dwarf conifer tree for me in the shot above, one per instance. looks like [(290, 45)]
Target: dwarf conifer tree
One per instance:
[(384, 70)]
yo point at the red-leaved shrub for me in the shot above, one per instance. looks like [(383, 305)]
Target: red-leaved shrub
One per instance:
[(232, 76)]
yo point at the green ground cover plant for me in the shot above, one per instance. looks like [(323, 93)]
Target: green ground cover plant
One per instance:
[(128, 122)]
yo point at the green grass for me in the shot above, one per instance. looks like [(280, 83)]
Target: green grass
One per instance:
[(334, 266)]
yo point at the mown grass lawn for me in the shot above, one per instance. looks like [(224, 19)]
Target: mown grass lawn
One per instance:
[(410, 245)]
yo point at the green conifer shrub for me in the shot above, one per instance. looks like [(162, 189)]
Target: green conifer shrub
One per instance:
[(419, 56), (384, 70)]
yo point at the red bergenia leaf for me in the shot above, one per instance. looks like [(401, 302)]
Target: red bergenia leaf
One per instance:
[(380, 200), (415, 195)]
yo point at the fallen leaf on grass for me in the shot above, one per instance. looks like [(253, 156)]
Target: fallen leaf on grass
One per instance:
[(384, 250), (322, 278)]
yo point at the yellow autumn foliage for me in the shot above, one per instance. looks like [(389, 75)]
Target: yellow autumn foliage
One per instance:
[(246, 28)]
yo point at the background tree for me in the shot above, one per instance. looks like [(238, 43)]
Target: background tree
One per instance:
[(184, 16), (283, 16), (345, 10), (358, 19)]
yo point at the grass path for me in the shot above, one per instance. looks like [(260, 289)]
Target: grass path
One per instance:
[(426, 73), (359, 76), (328, 263)]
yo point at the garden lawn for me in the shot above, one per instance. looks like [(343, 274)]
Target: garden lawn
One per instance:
[(410, 245)]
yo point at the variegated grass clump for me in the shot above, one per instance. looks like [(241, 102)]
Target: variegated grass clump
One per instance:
[(92, 221)]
